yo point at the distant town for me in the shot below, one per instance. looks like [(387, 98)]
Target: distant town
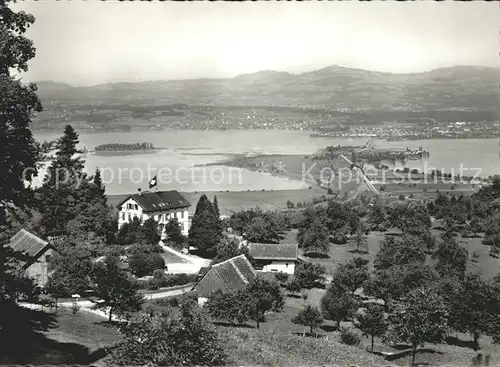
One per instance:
[(383, 124)]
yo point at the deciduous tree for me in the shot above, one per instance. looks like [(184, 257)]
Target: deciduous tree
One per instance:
[(420, 317), (309, 316), (115, 290)]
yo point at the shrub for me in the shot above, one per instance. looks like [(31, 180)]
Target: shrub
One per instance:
[(281, 277), (142, 264), (349, 336), (167, 280)]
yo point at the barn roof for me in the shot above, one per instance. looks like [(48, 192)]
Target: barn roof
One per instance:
[(158, 200), (273, 251), (27, 243), (233, 274)]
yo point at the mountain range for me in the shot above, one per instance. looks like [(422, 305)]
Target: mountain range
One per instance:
[(458, 87)]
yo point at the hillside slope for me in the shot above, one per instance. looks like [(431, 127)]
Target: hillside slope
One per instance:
[(459, 87)]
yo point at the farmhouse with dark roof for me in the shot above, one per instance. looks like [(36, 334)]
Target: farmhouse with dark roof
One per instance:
[(274, 257), (160, 205), (227, 276)]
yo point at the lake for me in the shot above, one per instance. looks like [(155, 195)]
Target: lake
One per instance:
[(176, 165)]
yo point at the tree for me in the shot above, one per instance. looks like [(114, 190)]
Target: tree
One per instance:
[(451, 258), (66, 189), (71, 276), (400, 251), (177, 337), (473, 307), (142, 264), (294, 286), (114, 289), (228, 248), (338, 305), (315, 239), (420, 317), (351, 275), (229, 306), (309, 316), (262, 296), (174, 232), (19, 153), (216, 207), (310, 275), (264, 229), (360, 240), (205, 232), (371, 321)]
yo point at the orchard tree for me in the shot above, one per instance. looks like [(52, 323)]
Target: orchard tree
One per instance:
[(310, 275), (294, 286), (351, 275), (420, 317), (400, 251), (338, 305), (451, 258), (114, 289), (474, 307), (315, 239), (229, 306), (262, 296), (309, 316), (228, 248), (371, 321)]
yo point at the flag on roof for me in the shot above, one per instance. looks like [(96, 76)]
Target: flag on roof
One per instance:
[(153, 182)]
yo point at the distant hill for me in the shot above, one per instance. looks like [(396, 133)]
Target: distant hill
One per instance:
[(459, 87)]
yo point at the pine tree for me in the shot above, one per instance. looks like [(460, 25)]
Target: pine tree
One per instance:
[(99, 190), (216, 206), (66, 190)]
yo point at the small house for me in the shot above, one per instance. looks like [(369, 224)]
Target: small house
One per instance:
[(38, 253), (274, 257), (227, 276)]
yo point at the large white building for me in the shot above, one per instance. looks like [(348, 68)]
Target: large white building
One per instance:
[(274, 257), (160, 205)]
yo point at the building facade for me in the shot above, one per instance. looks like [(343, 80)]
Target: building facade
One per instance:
[(160, 205), (274, 257)]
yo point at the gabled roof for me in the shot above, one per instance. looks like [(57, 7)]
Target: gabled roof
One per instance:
[(27, 243), (233, 274), (158, 200), (273, 251)]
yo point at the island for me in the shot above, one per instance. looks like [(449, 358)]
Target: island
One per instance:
[(125, 149)]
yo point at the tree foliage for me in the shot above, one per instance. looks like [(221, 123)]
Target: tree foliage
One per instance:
[(420, 317), (115, 290), (180, 337), (309, 316), (310, 275)]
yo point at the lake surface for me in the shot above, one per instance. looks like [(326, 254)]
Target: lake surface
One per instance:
[(184, 149)]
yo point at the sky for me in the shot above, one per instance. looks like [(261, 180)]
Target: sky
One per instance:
[(94, 42)]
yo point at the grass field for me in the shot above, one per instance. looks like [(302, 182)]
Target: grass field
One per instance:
[(57, 338)]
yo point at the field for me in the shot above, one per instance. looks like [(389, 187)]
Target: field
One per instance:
[(61, 338)]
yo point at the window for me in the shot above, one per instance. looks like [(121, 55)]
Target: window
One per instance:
[(130, 217), (136, 207), (123, 216)]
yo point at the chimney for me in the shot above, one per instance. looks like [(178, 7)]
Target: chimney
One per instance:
[(140, 192)]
